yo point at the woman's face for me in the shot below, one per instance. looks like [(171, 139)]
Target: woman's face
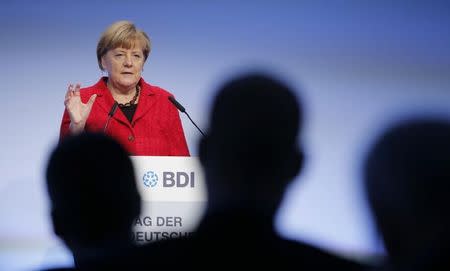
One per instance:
[(124, 66)]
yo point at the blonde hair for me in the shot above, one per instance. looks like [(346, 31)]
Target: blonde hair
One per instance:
[(122, 34)]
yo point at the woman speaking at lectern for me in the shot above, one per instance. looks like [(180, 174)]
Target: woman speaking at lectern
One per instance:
[(122, 105)]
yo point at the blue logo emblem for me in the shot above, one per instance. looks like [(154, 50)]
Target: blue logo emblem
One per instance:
[(150, 179)]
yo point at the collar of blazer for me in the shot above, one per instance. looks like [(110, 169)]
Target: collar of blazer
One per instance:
[(105, 100)]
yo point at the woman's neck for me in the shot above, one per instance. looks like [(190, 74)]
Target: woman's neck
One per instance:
[(121, 95)]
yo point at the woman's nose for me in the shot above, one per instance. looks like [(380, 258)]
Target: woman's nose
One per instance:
[(128, 61)]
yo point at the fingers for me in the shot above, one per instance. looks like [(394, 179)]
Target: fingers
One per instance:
[(73, 89), (89, 104), (91, 100), (71, 92), (76, 90)]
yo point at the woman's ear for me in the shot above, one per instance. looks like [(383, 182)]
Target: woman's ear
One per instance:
[(102, 62)]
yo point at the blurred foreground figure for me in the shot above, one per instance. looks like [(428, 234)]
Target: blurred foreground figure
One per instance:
[(249, 155), (407, 179), (93, 198)]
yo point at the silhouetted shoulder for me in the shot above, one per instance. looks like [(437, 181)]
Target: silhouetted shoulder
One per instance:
[(307, 256)]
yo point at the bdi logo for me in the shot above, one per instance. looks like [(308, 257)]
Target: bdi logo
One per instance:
[(170, 179), (150, 179)]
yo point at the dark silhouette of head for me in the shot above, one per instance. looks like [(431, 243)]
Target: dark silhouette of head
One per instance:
[(250, 152), (93, 194), (407, 180)]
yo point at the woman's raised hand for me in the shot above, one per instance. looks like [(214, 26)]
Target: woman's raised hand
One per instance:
[(78, 111)]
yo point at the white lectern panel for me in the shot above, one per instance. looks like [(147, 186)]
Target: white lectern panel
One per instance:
[(173, 196)]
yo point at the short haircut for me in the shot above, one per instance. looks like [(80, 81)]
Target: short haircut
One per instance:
[(122, 34)]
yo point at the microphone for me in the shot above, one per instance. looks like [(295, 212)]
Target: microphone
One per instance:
[(110, 114), (183, 110), (177, 104)]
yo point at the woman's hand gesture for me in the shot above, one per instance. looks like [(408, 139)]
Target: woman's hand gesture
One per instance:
[(78, 111)]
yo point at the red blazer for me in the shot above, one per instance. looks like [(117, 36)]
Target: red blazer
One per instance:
[(156, 128)]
